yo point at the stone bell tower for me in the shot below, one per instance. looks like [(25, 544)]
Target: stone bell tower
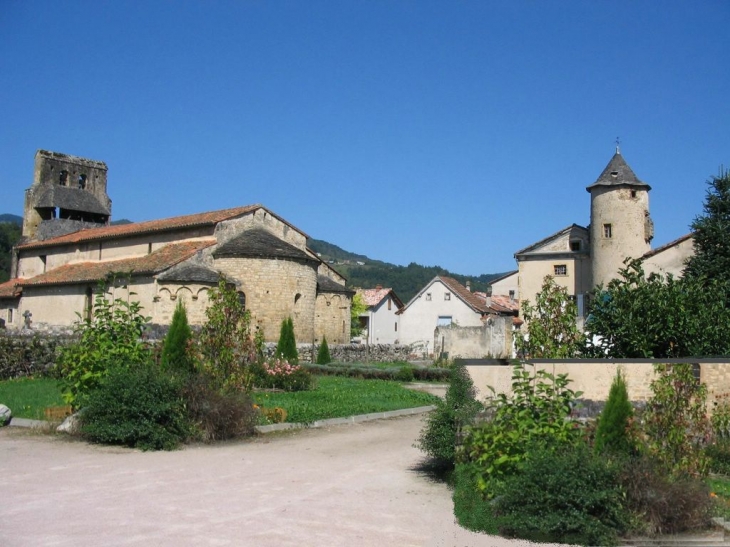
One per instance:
[(68, 194), (620, 222)]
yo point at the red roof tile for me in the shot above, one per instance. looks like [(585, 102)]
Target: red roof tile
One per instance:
[(138, 228), (466, 295), (158, 261), (10, 289), (373, 297)]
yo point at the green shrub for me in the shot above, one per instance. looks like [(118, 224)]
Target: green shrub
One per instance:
[(176, 357), (135, 406), (718, 456), (534, 414), (612, 433), (563, 496), (471, 509), (111, 338), (676, 422), (286, 348), (405, 374), (323, 355), (443, 430), (227, 343), (217, 415), (661, 503)]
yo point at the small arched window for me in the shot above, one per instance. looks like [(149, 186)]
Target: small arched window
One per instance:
[(63, 178), (296, 298), (242, 299), (82, 182)]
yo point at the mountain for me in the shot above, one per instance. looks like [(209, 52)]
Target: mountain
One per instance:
[(366, 273), (14, 219)]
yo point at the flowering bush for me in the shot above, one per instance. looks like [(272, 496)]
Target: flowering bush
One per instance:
[(278, 373)]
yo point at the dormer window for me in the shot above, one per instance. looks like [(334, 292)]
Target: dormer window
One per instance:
[(614, 174), (575, 245)]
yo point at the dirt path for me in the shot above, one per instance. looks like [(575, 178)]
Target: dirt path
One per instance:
[(348, 485)]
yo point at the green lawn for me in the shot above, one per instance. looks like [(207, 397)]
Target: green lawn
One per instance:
[(339, 397), (29, 397), (720, 486)]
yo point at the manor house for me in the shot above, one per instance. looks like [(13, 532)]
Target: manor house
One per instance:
[(581, 258), (68, 245)]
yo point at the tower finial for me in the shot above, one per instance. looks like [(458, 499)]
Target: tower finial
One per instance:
[(618, 142)]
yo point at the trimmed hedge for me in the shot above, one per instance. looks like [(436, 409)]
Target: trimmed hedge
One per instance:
[(430, 374)]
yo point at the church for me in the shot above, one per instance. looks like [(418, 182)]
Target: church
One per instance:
[(581, 258), (68, 245)]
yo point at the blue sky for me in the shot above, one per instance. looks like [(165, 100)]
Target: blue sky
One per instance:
[(442, 133)]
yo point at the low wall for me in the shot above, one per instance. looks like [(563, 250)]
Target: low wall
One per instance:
[(357, 353), (26, 353), (594, 377), (493, 339)]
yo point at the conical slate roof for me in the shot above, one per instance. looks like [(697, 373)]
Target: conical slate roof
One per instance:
[(618, 173)]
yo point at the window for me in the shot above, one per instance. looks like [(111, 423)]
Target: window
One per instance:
[(43, 261), (10, 315), (575, 245), (633, 193), (560, 269), (447, 296), (444, 321), (389, 303), (512, 295), (607, 231), (428, 296), (88, 303), (396, 327), (63, 178), (82, 182), (242, 299)]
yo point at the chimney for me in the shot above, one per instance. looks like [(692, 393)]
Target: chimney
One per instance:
[(468, 286), (378, 287)]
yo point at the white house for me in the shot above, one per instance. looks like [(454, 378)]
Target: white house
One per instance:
[(442, 302), (381, 321)]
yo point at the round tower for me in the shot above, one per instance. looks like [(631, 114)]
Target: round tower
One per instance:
[(620, 222)]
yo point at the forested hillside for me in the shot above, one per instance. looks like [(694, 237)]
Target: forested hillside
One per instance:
[(366, 273)]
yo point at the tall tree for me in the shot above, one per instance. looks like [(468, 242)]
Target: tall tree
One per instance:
[(711, 232), (176, 355), (552, 331)]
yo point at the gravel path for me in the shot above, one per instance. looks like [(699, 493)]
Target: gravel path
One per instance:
[(349, 485)]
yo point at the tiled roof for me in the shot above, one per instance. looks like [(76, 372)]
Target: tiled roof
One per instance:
[(138, 228), (373, 297), (10, 289), (618, 173), (467, 296), (260, 243), (667, 246), (504, 304), (81, 272), (328, 285)]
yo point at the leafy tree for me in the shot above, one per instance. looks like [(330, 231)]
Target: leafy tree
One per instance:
[(286, 348), (711, 233), (637, 316), (323, 354), (227, 343), (112, 337), (9, 236), (176, 355), (357, 308), (552, 331), (612, 433)]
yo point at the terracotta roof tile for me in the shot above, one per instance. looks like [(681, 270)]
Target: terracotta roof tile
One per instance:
[(467, 296), (373, 297), (10, 289), (505, 304), (666, 246), (158, 261), (137, 228)]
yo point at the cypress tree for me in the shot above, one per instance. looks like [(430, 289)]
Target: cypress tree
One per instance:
[(612, 431), (287, 346), (323, 355), (175, 356)]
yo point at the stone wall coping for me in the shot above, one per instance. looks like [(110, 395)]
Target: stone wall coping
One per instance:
[(674, 361)]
